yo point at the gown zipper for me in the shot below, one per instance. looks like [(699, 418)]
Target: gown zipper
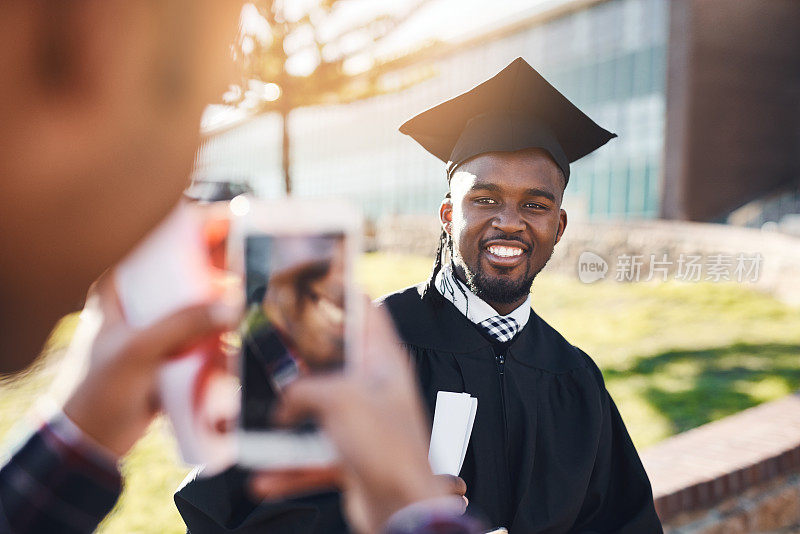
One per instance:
[(501, 369), (501, 364)]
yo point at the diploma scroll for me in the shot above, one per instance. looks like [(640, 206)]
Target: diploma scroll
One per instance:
[(453, 418)]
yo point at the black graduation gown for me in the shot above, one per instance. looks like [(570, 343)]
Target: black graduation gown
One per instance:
[(549, 451)]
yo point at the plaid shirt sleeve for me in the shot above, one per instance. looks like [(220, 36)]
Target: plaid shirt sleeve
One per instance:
[(57, 481)]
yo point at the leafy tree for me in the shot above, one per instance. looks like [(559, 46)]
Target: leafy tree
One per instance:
[(318, 54)]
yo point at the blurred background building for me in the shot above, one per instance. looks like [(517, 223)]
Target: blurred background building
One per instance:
[(704, 94)]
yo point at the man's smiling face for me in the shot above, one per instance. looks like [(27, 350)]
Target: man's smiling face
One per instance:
[(504, 216)]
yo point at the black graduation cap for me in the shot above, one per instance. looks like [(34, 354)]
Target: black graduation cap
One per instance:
[(514, 110)]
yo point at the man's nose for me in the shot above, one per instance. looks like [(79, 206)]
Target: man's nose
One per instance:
[(508, 220)]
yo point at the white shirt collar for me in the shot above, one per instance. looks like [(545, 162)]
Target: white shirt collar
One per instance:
[(471, 305)]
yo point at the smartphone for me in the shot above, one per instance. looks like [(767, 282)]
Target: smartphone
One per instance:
[(302, 317)]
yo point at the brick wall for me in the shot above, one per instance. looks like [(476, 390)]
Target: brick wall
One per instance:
[(740, 474)]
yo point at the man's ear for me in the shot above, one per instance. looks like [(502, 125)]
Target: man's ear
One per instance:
[(562, 225), (446, 215)]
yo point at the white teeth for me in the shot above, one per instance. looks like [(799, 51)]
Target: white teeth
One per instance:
[(505, 252)]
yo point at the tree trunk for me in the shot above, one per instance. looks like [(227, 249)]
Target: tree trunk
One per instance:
[(286, 156)]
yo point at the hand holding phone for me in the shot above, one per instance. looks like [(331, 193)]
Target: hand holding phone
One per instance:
[(374, 416), (114, 402)]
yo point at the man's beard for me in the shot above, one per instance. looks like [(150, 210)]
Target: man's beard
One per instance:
[(498, 290)]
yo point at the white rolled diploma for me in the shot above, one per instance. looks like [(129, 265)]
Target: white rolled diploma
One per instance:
[(453, 418)]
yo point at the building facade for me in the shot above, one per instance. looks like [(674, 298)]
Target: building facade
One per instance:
[(702, 94), (608, 57)]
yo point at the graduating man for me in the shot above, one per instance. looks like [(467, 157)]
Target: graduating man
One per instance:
[(549, 451)]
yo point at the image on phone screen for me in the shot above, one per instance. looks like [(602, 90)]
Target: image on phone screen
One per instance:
[(295, 320)]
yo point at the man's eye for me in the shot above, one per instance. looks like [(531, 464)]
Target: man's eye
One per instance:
[(535, 206), (485, 200)]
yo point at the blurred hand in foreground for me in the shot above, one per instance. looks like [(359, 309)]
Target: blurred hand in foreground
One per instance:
[(116, 399), (374, 417)]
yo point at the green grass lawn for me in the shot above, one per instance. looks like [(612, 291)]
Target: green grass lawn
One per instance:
[(674, 356)]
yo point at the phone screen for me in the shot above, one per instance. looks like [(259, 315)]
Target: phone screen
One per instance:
[(295, 320)]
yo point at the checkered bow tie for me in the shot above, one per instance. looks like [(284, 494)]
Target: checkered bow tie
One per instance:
[(501, 328)]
